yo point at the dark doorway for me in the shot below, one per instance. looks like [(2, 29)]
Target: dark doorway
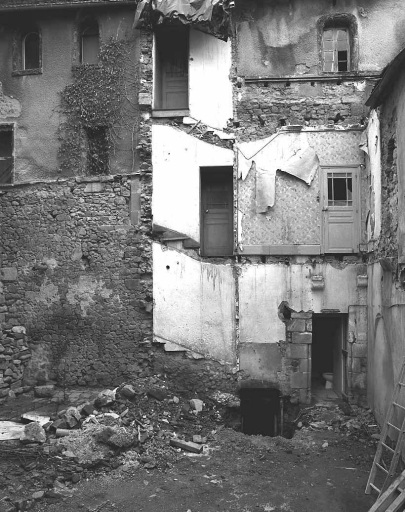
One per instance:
[(329, 354), (216, 211), (6, 154), (260, 411)]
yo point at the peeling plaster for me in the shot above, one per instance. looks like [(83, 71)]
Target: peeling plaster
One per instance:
[(84, 291)]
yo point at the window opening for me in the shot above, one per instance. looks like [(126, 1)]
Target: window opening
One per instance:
[(31, 51), (340, 189), (171, 70), (6, 154), (336, 49), (98, 150), (90, 44)]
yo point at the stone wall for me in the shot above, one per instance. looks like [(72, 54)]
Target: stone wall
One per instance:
[(76, 274), (15, 355), (298, 353), (264, 106)]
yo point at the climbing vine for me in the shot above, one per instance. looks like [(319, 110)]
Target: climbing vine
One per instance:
[(93, 109)]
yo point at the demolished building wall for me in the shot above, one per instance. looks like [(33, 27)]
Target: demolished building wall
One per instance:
[(386, 293)]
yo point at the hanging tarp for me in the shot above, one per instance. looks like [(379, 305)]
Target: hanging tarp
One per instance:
[(211, 16)]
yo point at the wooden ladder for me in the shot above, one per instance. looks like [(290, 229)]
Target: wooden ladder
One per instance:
[(393, 499), (386, 458)]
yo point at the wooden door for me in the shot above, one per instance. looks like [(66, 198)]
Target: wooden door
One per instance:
[(340, 210), (217, 212), (172, 46)]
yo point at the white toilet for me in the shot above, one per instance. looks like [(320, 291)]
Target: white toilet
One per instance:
[(329, 380)]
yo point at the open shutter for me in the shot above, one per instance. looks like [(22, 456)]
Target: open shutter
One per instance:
[(340, 210)]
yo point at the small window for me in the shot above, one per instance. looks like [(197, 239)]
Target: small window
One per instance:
[(340, 189), (6, 154), (171, 69), (30, 51), (336, 49), (98, 150), (90, 43)]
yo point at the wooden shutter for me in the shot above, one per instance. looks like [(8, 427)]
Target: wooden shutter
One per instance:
[(340, 210)]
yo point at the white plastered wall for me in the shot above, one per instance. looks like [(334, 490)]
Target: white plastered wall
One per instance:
[(209, 84), (194, 304), (262, 288), (177, 158)]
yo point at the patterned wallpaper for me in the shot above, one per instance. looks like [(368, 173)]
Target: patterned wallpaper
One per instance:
[(296, 215)]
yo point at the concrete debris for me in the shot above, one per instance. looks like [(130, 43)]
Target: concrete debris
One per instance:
[(33, 416), (33, 433), (188, 446), (196, 404), (10, 430), (127, 391)]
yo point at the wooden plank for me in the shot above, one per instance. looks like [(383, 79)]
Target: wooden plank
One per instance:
[(384, 500)]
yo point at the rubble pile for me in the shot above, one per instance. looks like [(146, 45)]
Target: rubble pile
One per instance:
[(135, 425), (350, 421)]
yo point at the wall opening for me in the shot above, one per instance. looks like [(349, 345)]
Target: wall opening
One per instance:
[(6, 154), (260, 411), (216, 211), (329, 355)]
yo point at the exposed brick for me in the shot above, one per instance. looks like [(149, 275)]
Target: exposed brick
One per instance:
[(301, 314)]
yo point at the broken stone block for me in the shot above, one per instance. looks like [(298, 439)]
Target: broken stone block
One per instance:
[(186, 445), (59, 423), (104, 398), (33, 416), (122, 438), (72, 416), (196, 404), (87, 409), (33, 433), (128, 391), (45, 391)]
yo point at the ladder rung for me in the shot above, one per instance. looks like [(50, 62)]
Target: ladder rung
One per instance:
[(388, 447), (382, 469), (398, 405), (375, 487), (401, 384), (393, 426)]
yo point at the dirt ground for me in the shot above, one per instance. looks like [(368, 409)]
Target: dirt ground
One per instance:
[(324, 467)]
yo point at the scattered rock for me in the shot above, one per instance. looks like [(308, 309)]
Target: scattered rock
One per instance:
[(45, 391), (33, 433), (186, 445), (157, 393), (196, 404), (33, 416), (104, 398), (128, 391)]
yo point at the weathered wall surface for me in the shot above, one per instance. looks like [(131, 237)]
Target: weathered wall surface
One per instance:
[(194, 304), (295, 217), (39, 115), (280, 38), (262, 288), (177, 158), (263, 107), (386, 275), (77, 275)]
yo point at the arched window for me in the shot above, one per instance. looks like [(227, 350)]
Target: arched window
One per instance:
[(90, 43), (31, 51)]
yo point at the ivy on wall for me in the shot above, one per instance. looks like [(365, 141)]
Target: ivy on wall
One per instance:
[(93, 108)]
